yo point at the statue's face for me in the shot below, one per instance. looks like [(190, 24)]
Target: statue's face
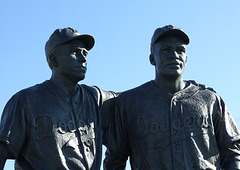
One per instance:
[(169, 57), (71, 60)]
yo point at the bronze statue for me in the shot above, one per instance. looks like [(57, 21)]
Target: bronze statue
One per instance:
[(169, 123), (56, 124)]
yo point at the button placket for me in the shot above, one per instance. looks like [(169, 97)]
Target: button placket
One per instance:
[(176, 133)]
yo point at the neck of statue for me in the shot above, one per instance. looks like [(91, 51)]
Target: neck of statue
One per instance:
[(64, 84), (170, 85)]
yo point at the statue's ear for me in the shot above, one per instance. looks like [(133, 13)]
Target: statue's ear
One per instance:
[(52, 59), (151, 59)]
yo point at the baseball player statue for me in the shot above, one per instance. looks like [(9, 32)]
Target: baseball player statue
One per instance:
[(56, 124), (169, 123)]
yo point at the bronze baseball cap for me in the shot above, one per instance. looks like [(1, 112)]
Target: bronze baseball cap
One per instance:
[(61, 36), (168, 30)]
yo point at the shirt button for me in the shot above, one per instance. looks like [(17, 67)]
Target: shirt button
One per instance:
[(176, 115)]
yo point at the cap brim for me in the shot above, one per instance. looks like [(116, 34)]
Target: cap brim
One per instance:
[(88, 40)]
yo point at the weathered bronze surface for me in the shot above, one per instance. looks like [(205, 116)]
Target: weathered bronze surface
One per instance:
[(56, 124), (169, 123)]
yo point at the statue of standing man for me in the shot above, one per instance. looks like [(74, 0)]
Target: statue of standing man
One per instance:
[(169, 123), (56, 124)]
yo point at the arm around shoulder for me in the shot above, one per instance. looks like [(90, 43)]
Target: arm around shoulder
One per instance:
[(114, 135)]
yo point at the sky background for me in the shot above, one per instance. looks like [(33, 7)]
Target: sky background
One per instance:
[(122, 30)]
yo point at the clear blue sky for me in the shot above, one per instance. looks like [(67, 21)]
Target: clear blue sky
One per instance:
[(122, 29)]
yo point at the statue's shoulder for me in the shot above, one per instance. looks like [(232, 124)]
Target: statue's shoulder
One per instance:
[(32, 90), (202, 86), (93, 91), (136, 91)]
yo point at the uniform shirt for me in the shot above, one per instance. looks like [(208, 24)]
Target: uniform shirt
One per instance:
[(190, 129), (46, 129)]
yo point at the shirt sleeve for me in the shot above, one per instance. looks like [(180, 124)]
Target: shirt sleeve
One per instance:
[(227, 136), (13, 127), (115, 136), (106, 95)]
